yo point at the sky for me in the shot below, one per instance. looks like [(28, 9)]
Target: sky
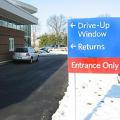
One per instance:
[(73, 9)]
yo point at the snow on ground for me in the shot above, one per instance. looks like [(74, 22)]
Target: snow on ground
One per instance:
[(59, 52), (96, 97), (53, 53)]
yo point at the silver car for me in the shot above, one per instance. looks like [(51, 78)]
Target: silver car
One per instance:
[(25, 54)]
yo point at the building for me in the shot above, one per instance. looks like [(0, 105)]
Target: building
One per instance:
[(15, 26)]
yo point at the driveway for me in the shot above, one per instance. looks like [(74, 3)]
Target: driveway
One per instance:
[(32, 91)]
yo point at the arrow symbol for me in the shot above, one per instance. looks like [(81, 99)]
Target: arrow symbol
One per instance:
[(73, 46), (72, 25)]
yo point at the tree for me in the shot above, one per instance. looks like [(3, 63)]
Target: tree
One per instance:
[(64, 40), (43, 40), (50, 39), (104, 15), (47, 39), (57, 24)]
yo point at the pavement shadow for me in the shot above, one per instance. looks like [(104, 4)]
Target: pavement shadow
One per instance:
[(18, 81), (114, 92)]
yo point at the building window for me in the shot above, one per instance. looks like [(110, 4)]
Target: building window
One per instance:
[(11, 44), (25, 28)]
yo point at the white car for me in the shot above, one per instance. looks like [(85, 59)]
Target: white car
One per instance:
[(43, 53), (25, 54)]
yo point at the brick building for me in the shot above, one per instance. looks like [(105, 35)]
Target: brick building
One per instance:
[(15, 26)]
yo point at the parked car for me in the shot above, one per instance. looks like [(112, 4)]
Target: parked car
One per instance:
[(49, 47), (43, 52), (25, 54), (44, 49), (60, 48)]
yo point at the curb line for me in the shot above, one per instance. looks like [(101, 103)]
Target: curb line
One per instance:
[(2, 62)]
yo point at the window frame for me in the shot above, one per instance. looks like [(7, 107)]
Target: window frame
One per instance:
[(11, 44)]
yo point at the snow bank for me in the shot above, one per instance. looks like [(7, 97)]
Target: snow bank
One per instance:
[(90, 97), (59, 52)]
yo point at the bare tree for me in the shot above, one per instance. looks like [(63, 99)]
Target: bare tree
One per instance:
[(57, 25), (104, 15)]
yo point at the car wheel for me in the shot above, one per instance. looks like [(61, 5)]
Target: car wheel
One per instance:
[(31, 60), (37, 59), (14, 61)]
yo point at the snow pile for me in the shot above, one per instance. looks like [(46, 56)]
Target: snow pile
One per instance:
[(53, 52), (59, 52), (96, 97)]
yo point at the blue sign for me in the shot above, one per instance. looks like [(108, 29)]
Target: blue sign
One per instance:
[(94, 37)]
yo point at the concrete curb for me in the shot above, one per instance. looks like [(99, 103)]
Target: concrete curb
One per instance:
[(3, 62)]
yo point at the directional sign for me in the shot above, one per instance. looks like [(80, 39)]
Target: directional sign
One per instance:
[(94, 45), (94, 37)]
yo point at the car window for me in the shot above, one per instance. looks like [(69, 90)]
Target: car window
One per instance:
[(21, 50), (31, 50)]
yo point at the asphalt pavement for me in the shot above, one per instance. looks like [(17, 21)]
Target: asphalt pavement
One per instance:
[(32, 91)]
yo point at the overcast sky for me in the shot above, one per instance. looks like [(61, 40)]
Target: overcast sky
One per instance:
[(74, 9)]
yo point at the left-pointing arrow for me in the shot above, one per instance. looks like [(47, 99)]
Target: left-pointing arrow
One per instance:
[(73, 46), (72, 25)]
